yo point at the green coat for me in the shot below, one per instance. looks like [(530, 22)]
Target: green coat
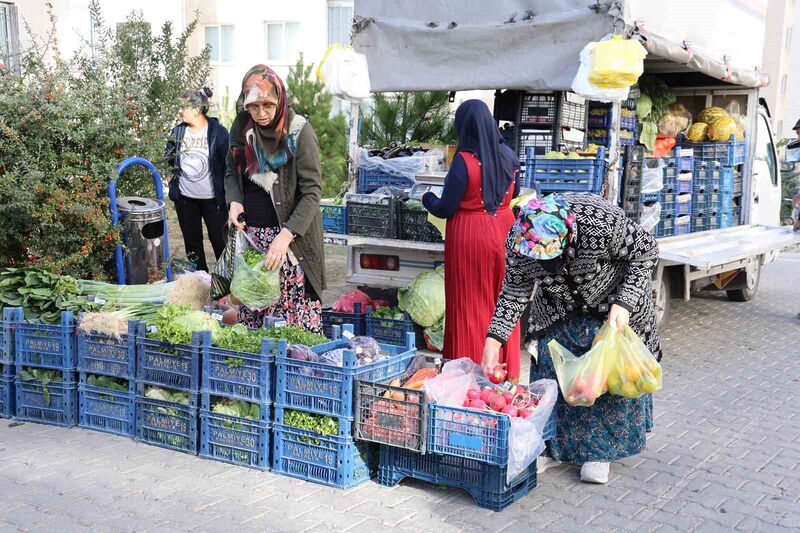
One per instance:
[(296, 194)]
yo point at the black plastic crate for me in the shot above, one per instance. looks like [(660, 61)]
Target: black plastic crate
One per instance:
[(391, 415), (573, 114), (540, 140), (413, 225), (539, 109), (372, 219)]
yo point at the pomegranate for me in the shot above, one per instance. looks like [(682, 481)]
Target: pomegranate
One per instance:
[(510, 410), (477, 403), (498, 403), (524, 413), (473, 394)]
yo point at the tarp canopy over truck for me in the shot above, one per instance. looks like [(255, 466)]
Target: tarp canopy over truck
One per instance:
[(422, 45)]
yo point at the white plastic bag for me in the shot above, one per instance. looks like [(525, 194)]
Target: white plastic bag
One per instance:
[(449, 390), (583, 87), (345, 73), (525, 442), (651, 215), (653, 177)]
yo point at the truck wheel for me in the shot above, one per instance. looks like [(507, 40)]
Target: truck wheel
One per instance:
[(661, 299), (753, 273)]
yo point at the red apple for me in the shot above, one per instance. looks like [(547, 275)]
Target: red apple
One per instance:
[(510, 410), (498, 403), (497, 374)]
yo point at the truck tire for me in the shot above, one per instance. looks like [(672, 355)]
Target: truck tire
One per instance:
[(753, 273), (661, 299)]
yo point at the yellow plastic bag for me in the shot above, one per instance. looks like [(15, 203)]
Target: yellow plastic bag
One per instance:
[(634, 371), (438, 223), (617, 63), (583, 379)]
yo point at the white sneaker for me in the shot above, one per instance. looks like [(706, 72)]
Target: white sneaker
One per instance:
[(544, 462), (595, 472)]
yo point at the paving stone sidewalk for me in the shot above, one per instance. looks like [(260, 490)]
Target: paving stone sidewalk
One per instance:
[(724, 455)]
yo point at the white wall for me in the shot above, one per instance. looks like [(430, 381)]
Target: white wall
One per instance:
[(248, 18), (791, 112), (72, 18)]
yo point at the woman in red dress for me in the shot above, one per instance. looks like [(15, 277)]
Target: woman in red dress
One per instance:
[(478, 189)]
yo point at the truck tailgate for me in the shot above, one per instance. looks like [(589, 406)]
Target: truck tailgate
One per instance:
[(717, 247)]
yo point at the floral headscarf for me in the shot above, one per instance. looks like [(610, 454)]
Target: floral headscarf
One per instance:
[(544, 227), (270, 150)]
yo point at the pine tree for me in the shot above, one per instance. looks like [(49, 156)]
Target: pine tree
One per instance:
[(408, 118), (309, 99)]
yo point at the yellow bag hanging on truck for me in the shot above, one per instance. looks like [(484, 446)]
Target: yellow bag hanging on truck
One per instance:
[(617, 63)]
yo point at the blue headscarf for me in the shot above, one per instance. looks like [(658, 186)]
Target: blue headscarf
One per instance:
[(478, 133)]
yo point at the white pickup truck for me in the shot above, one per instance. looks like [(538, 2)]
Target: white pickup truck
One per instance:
[(533, 45)]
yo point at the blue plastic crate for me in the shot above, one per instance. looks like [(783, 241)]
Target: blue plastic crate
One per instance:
[(565, 175), (726, 180), (99, 354), (701, 203), (174, 366), (238, 441), (683, 204), (329, 460), (166, 424), (677, 165), (472, 434), (388, 331), (702, 222), (678, 184), (264, 407), (55, 403), (485, 483), (599, 122), (331, 318), (327, 389), (725, 200), (725, 219), (239, 375), (110, 411), (666, 226), (47, 346), (11, 316), (729, 153), (345, 423), (736, 216), (370, 181), (334, 218), (683, 225), (603, 141), (7, 397)]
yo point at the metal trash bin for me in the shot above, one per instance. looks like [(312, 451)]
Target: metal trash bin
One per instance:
[(143, 224)]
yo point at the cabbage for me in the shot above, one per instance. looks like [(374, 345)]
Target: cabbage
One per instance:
[(198, 321), (424, 298)]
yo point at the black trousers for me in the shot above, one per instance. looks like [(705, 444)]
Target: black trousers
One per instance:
[(192, 212)]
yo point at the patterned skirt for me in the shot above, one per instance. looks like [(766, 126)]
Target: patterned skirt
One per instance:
[(610, 430), (294, 306)]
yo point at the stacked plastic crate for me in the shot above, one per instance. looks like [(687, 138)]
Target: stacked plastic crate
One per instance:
[(599, 123), (107, 388), (547, 122), (236, 404), (45, 381), (718, 170), (676, 197), (320, 395), (10, 317), (167, 391)]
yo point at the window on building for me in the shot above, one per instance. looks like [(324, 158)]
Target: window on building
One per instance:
[(784, 82), (220, 39), (282, 41), (9, 37), (788, 43), (340, 18)]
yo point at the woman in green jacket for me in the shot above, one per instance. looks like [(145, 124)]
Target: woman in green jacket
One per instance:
[(273, 187)]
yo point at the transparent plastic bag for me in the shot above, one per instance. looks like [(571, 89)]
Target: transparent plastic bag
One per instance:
[(223, 271), (406, 167), (735, 112), (617, 63), (525, 442), (255, 286), (365, 347), (582, 379), (651, 215), (449, 390), (634, 371), (345, 73), (653, 177), (582, 86)]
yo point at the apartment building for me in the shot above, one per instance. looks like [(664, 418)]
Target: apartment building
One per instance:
[(778, 57)]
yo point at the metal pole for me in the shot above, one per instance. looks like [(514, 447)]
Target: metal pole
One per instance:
[(352, 169), (612, 191)]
